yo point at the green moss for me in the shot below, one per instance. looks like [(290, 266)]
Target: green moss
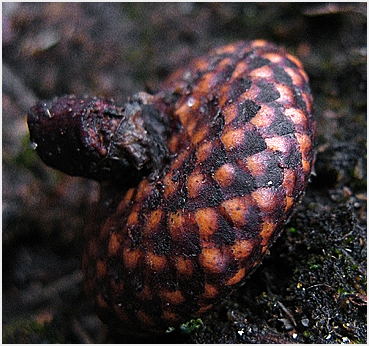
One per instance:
[(26, 157), (292, 230), (341, 291), (315, 266), (30, 331), (191, 325)]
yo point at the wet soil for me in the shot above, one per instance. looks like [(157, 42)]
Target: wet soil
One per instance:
[(311, 288)]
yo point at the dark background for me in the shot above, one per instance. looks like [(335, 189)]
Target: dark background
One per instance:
[(311, 288)]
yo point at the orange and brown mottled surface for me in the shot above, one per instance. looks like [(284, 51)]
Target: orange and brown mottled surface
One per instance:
[(241, 142)]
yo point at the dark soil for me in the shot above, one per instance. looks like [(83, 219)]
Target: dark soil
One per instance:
[(311, 288)]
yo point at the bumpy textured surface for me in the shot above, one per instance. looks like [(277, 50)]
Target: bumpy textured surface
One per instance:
[(238, 148), (242, 138)]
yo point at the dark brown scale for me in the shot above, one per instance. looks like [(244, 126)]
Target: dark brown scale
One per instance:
[(206, 172)]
